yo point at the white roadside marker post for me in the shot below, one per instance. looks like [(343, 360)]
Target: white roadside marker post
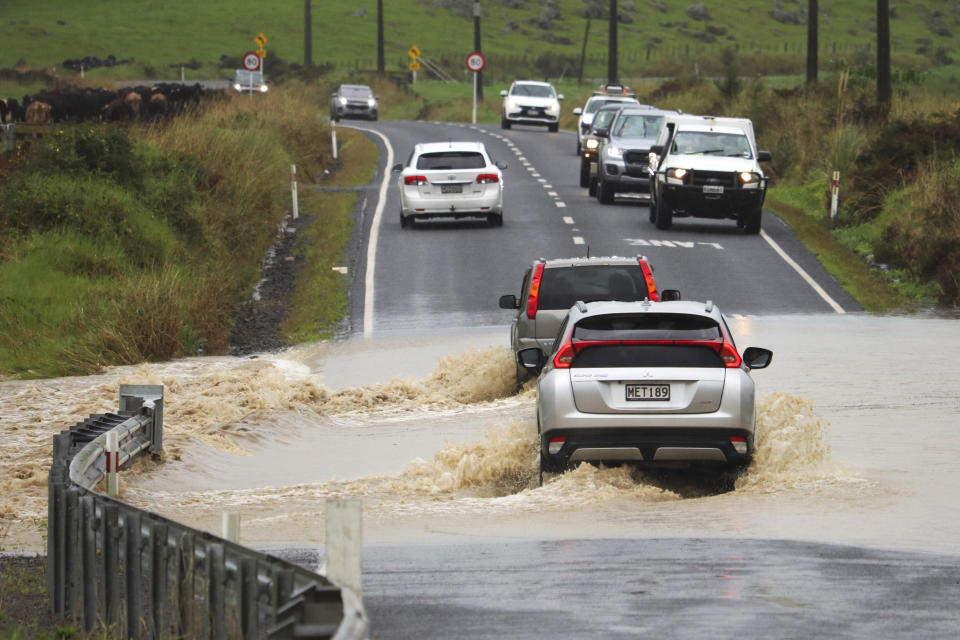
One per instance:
[(231, 526), (333, 137), (293, 190), (113, 462), (835, 196), (344, 543)]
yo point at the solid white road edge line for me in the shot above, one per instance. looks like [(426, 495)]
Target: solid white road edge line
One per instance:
[(374, 235), (803, 274)]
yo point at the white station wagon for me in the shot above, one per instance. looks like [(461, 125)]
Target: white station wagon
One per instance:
[(450, 180)]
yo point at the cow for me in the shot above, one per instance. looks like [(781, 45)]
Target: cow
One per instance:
[(3, 111), (38, 113)]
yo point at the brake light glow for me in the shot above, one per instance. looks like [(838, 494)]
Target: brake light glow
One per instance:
[(534, 291), (418, 180), (652, 292), (555, 444), (486, 178), (729, 355), (568, 352)]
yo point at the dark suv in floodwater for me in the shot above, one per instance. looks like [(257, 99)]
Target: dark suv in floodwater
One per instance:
[(551, 287)]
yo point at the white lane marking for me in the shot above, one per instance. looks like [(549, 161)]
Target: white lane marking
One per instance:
[(542, 180), (552, 193), (803, 274), (522, 159), (535, 174), (568, 219), (560, 204), (641, 242), (545, 185), (577, 240), (374, 235), (532, 169)]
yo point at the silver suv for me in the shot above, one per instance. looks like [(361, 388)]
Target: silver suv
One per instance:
[(656, 384), (551, 287), (530, 102), (625, 152)]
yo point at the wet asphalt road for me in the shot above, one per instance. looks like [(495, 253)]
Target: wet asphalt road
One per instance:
[(656, 588)]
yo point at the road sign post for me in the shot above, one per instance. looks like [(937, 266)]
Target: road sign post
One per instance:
[(414, 53), (475, 63)]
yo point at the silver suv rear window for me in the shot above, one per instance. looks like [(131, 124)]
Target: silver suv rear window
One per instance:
[(452, 160), (648, 326), (562, 287)]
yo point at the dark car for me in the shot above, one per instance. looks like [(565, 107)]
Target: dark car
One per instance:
[(353, 101)]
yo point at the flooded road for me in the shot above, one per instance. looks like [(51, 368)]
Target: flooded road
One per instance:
[(857, 444)]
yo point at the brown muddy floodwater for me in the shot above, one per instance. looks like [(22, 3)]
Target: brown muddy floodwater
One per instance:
[(858, 443)]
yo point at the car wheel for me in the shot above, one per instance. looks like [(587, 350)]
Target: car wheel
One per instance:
[(653, 209), (592, 187), (404, 221), (374, 118), (664, 215), (495, 219), (504, 123), (553, 128), (584, 172), (604, 192), (579, 150), (752, 223)]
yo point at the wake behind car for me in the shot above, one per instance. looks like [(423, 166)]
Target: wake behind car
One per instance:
[(531, 102), (551, 287), (450, 180), (353, 101), (707, 167), (622, 165), (655, 384)]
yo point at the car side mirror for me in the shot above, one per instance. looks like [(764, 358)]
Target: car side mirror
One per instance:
[(503, 93), (500, 164), (669, 295), (531, 359), (764, 156), (578, 111), (602, 132), (657, 149), (509, 301), (559, 96), (397, 168), (757, 357)]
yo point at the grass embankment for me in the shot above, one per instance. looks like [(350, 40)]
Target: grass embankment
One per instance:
[(519, 38), (123, 246)]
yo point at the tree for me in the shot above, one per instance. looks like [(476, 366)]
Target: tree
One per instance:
[(883, 52)]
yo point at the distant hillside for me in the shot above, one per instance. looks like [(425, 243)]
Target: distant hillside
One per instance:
[(158, 36)]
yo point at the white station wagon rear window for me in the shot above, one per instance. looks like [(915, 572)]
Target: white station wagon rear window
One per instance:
[(446, 160)]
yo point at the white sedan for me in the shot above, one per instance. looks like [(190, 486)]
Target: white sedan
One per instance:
[(450, 180)]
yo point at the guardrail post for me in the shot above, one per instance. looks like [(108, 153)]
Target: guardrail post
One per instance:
[(57, 522), (132, 569), (111, 566), (88, 542), (344, 542), (74, 556), (230, 526), (216, 579), (249, 598), (162, 613), (113, 464)]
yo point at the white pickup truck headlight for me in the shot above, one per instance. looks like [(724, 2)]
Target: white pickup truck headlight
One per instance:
[(677, 175), (749, 179), (613, 151)]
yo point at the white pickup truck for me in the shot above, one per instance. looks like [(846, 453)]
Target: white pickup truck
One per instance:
[(707, 167), (251, 81)]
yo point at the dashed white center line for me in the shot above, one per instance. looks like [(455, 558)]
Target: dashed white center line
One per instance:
[(543, 180), (560, 204), (568, 219), (535, 174), (552, 193), (577, 240)]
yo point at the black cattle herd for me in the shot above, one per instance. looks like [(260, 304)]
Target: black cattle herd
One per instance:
[(92, 105)]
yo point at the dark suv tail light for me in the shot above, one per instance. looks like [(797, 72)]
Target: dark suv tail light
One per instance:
[(485, 178), (534, 295), (415, 180)]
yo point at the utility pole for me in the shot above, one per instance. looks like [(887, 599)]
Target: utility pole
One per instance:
[(380, 64), (583, 51), (813, 40), (476, 45), (612, 52), (883, 52), (307, 34)]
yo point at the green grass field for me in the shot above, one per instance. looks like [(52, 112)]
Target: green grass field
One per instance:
[(528, 40)]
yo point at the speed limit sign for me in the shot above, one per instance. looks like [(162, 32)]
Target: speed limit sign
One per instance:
[(476, 62), (251, 61)]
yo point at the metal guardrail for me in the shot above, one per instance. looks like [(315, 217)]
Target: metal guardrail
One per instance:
[(135, 574)]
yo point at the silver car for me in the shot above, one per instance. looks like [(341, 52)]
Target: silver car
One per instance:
[(657, 384), (450, 180), (624, 155), (354, 101), (550, 287), (589, 109), (530, 102)]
